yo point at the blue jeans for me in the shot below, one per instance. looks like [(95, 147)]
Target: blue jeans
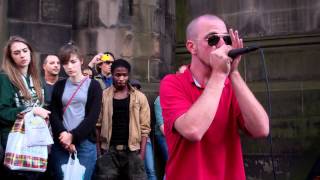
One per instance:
[(149, 161), (87, 155), (163, 146)]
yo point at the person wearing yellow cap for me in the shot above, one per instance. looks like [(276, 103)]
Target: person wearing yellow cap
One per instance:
[(101, 68)]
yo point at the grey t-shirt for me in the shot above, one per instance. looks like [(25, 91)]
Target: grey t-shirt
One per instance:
[(75, 112)]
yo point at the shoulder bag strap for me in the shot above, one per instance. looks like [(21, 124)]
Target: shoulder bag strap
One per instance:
[(74, 93)]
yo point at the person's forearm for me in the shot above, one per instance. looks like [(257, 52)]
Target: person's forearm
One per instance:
[(162, 129), (98, 130), (195, 122), (255, 117), (91, 64), (143, 147)]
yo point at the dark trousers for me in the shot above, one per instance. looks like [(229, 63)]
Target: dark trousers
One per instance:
[(19, 175), (120, 164)]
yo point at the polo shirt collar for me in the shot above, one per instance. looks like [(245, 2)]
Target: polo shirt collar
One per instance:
[(191, 79)]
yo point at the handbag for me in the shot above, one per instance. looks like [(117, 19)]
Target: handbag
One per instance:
[(18, 156), (73, 170)]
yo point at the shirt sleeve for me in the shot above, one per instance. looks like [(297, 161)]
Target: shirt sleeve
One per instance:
[(174, 100), (94, 71), (158, 112), (144, 116), (8, 108), (56, 110)]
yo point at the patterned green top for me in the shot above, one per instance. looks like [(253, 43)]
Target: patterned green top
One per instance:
[(12, 102)]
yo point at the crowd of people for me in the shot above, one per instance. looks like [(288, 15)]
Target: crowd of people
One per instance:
[(66, 103), (102, 115)]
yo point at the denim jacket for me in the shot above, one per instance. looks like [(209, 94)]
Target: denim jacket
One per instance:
[(139, 114)]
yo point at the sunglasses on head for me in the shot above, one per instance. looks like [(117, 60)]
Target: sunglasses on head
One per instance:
[(107, 62), (214, 39)]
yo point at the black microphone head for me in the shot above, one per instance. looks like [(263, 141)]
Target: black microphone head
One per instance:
[(236, 52)]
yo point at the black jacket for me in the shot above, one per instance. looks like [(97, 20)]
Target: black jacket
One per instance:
[(86, 129)]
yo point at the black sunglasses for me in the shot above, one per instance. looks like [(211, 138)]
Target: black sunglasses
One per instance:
[(107, 62), (214, 39)]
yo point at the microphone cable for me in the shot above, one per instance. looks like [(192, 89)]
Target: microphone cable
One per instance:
[(268, 100)]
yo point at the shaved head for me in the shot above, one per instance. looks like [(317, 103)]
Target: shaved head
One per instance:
[(192, 27)]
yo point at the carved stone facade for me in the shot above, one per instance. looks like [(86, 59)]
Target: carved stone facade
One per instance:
[(139, 31), (46, 24), (143, 32)]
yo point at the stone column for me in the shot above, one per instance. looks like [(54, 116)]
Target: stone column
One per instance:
[(3, 24), (130, 29)]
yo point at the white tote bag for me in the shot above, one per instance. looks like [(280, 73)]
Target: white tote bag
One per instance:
[(21, 157), (73, 170)]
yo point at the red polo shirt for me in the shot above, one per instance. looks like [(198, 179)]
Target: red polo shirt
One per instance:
[(218, 155)]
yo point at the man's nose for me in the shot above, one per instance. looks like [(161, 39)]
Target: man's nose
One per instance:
[(121, 78)]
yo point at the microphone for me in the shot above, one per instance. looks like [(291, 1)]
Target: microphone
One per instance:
[(236, 52)]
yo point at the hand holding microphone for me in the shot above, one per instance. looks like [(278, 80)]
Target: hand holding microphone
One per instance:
[(237, 44), (225, 59), (238, 50), (220, 62)]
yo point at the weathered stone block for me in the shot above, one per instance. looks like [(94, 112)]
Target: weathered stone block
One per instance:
[(23, 9), (3, 24), (251, 145), (311, 102), (87, 41), (154, 69), (283, 64), (58, 11), (140, 67), (295, 149), (108, 12), (284, 103), (82, 14), (287, 166), (146, 69), (255, 18), (44, 38)]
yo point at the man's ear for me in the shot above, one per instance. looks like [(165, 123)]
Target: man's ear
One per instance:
[(44, 67), (191, 46)]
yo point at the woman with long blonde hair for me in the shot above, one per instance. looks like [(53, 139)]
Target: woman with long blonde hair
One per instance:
[(20, 89)]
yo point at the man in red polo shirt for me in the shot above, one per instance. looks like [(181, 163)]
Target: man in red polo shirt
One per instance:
[(205, 107)]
